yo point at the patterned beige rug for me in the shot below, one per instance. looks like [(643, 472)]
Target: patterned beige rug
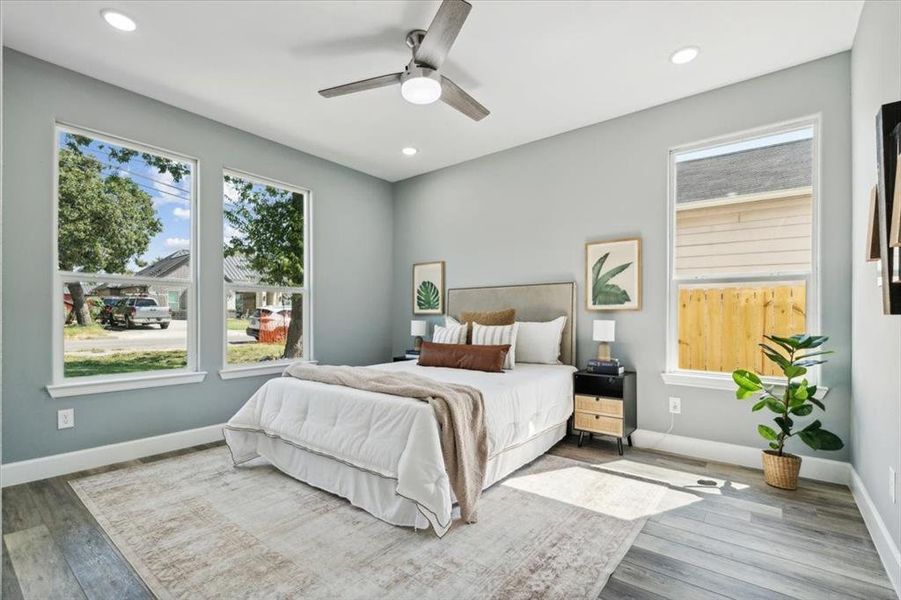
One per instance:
[(197, 527)]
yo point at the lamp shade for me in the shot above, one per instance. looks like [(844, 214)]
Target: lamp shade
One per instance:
[(604, 331), (418, 327)]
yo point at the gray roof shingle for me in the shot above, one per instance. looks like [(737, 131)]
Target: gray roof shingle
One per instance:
[(770, 168)]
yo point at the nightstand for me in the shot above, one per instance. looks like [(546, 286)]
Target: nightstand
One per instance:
[(606, 405)]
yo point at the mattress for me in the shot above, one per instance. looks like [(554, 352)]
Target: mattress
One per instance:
[(302, 427)]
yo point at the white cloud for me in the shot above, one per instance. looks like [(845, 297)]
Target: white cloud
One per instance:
[(181, 213), (179, 243)]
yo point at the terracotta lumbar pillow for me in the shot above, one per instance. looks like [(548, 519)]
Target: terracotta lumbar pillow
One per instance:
[(497, 317), (464, 356)]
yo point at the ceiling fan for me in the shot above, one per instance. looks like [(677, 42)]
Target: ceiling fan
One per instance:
[(420, 82)]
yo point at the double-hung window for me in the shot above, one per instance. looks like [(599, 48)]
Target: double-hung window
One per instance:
[(124, 277), (266, 258), (743, 259)]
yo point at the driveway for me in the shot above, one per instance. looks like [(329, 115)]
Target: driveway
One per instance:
[(150, 337)]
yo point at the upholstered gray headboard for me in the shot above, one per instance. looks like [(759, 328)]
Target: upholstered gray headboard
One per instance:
[(534, 302)]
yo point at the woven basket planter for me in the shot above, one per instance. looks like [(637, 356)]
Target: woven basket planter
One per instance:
[(781, 471)]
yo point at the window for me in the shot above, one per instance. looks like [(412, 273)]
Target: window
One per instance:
[(743, 261), (266, 250), (124, 237)]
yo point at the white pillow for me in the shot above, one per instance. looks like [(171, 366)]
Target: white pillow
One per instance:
[(540, 342), (496, 335), (450, 321), (454, 334)]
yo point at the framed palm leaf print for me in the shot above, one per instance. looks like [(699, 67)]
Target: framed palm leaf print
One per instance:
[(613, 275), (428, 288)]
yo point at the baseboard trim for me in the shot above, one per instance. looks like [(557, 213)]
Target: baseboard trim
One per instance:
[(70, 462), (885, 545), (812, 467)]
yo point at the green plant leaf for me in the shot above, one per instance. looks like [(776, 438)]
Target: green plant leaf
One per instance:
[(774, 445), (808, 363), (757, 406), (817, 402), (813, 426), (747, 380), (596, 268), (811, 341), (603, 279), (785, 424), (787, 344), (775, 357), (791, 371), (799, 392), (777, 406), (812, 354), (610, 294), (820, 439), (803, 410), (427, 296), (743, 393), (766, 432)]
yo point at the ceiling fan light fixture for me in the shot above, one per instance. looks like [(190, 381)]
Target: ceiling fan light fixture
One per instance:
[(421, 86)]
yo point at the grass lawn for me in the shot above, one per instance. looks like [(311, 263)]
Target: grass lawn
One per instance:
[(78, 365), (124, 362), (252, 353), (84, 332), (236, 324)]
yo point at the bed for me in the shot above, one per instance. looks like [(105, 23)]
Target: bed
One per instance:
[(382, 452)]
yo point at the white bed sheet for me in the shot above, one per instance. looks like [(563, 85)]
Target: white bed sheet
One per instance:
[(301, 426)]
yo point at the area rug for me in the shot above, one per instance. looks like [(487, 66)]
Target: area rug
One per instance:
[(195, 526)]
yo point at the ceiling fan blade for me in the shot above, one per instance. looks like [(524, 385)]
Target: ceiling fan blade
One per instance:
[(452, 94), (361, 86), (442, 32)]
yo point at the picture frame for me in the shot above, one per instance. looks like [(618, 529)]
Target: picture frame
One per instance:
[(872, 253), (613, 274), (428, 288)]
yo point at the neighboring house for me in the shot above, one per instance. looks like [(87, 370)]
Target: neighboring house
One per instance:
[(721, 198), (177, 264)]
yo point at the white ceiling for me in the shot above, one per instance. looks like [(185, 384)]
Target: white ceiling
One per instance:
[(541, 67)]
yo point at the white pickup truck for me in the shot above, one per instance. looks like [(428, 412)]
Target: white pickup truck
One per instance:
[(140, 311)]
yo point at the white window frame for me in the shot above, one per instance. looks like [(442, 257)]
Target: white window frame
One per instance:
[(62, 386), (673, 375), (271, 367)]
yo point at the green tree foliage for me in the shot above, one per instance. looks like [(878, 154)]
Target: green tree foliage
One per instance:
[(270, 226), (104, 222)]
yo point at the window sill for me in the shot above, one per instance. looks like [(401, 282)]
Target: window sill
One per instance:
[(119, 384), (257, 370), (720, 381)]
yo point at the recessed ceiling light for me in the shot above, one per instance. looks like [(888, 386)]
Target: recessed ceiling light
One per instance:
[(685, 55), (409, 151), (118, 20)]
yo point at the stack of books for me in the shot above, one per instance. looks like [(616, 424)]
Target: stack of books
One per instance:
[(412, 354), (605, 367)]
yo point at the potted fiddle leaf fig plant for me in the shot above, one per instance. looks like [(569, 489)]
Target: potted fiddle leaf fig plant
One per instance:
[(794, 355)]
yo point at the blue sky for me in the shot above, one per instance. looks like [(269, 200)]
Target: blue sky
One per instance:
[(171, 200), (760, 142)]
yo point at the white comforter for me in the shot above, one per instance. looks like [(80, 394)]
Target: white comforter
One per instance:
[(397, 437)]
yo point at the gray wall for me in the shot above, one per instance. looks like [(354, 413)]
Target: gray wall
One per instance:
[(524, 214), (352, 237), (876, 338)]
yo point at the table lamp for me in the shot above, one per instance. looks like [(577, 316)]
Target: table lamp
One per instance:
[(417, 330), (604, 334)]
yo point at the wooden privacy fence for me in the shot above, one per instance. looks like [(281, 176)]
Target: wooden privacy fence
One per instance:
[(720, 327)]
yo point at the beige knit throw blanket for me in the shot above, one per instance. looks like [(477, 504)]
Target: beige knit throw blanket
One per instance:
[(459, 409)]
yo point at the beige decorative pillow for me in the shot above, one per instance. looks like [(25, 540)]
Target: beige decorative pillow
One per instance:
[(497, 317)]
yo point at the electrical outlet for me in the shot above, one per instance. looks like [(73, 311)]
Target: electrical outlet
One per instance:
[(891, 484), (675, 405), (65, 418)]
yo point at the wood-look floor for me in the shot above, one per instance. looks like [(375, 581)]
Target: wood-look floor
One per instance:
[(745, 541)]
